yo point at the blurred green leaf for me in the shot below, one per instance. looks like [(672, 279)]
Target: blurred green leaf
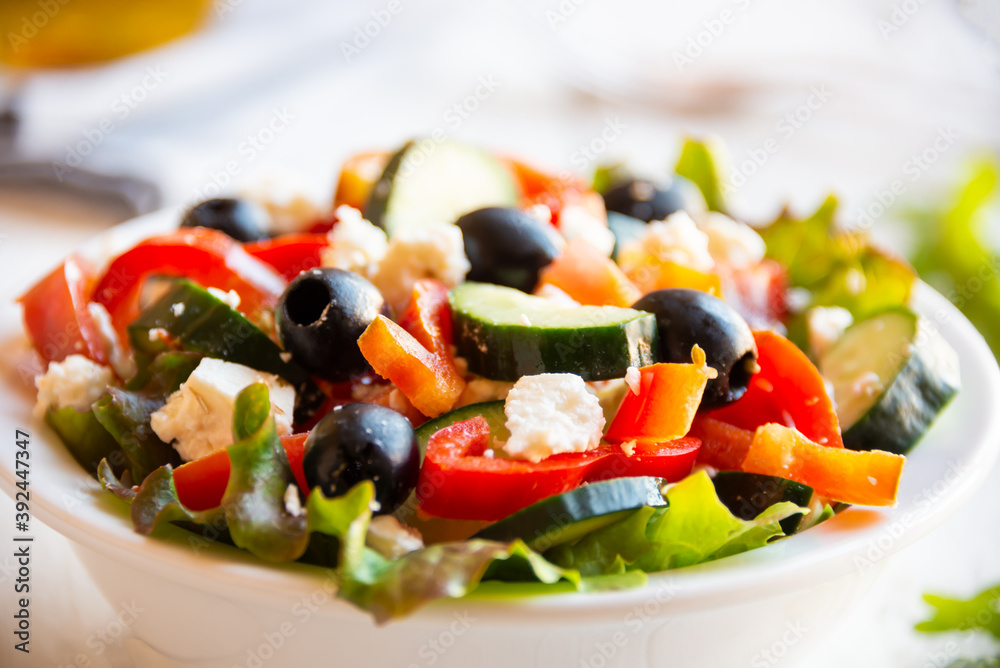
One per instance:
[(982, 612), (700, 162)]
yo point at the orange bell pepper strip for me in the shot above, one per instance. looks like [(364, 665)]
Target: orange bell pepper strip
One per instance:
[(867, 478), (665, 405), (201, 483), (650, 275), (787, 390), (589, 277), (723, 446), (430, 383)]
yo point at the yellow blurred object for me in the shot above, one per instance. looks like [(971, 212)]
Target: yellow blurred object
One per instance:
[(358, 177), (658, 275), (55, 33)]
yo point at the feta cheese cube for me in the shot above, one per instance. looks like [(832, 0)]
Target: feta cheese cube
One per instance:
[(435, 250), (355, 244), (551, 413), (731, 242), (577, 222), (76, 381), (280, 193), (198, 417), (826, 324), (676, 239), (230, 299)]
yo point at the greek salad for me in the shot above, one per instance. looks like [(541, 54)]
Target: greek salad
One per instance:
[(473, 377)]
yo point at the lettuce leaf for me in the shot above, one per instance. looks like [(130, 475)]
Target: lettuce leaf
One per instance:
[(953, 256), (699, 162), (609, 550), (125, 413), (981, 612), (85, 437), (696, 527)]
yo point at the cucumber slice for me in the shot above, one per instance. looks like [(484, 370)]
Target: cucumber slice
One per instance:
[(207, 325), (567, 517), (491, 410), (747, 495), (892, 374), (505, 334), (430, 181)]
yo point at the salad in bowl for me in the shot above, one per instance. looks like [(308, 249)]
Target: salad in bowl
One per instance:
[(471, 374)]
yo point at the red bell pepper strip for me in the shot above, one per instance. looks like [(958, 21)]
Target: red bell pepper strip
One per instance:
[(788, 390), (206, 256), (664, 407), (200, 484), (672, 460), (56, 316), (290, 254), (430, 383), (458, 481), (869, 478), (428, 317), (722, 445)]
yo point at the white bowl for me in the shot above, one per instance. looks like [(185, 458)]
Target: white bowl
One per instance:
[(216, 606)]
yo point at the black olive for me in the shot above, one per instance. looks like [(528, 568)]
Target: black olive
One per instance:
[(320, 316), (241, 219), (688, 317), (506, 246), (363, 442), (648, 200)]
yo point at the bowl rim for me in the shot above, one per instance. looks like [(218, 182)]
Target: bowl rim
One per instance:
[(95, 520)]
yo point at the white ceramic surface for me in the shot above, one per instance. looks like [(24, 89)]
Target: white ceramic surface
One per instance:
[(215, 606)]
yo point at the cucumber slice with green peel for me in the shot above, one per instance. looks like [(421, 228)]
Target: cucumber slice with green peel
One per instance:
[(505, 334), (198, 321), (567, 517), (429, 181), (892, 374), (747, 495), (491, 410)]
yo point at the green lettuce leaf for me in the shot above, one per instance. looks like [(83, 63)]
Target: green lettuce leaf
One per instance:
[(700, 162), (982, 612), (85, 437), (952, 253), (609, 550), (696, 527), (125, 413)]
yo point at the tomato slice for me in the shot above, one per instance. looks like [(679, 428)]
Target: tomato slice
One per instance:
[(206, 256), (56, 316), (788, 390), (201, 484), (290, 254)]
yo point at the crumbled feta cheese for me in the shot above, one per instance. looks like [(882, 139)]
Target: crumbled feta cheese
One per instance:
[(158, 334), (826, 324), (633, 378), (731, 242), (76, 381), (120, 358), (435, 250), (293, 504), (479, 389), (280, 193), (177, 309), (199, 416), (555, 295), (392, 539), (525, 320), (551, 413), (798, 299), (867, 384), (577, 222), (355, 244), (676, 239), (489, 454), (230, 299), (628, 447)]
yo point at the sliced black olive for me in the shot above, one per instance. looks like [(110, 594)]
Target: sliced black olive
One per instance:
[(241, 219), (649, 200), (688, 317), (506, 247), (363, 442), (320, 317)]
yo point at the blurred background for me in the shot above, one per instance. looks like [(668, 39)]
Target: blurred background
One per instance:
[(110, 109)]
